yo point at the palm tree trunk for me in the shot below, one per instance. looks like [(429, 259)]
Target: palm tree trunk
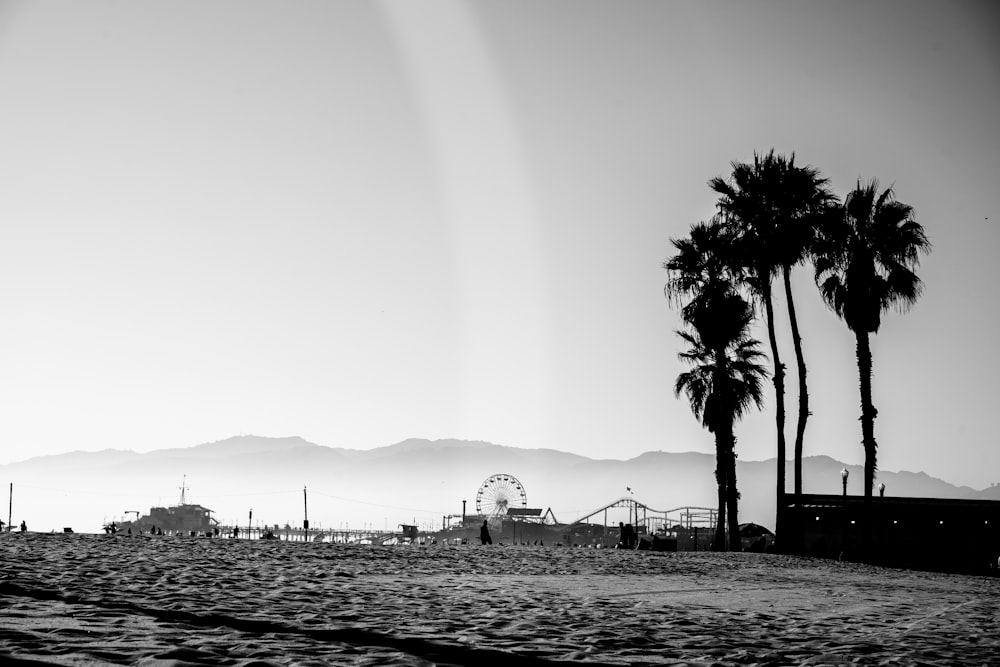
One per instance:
[(732, 493), (721, 443), (800, 362), (868, 411), (868, 414), (719, 542), (779, 403)]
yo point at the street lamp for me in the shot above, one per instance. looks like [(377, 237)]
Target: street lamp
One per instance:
[(844, 473), (881, 514)]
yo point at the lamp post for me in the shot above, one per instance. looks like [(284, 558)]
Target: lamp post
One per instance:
[(844, 473), (881, 518), (631, 504), (305, 520)]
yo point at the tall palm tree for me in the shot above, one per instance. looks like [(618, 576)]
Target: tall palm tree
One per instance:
[(724, 381), (700, 272), (802, 205), (719, 317), (697, 384), (865, 258), (746, 204), (774, 206)]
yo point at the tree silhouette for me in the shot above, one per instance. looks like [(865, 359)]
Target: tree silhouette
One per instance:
[(721, 386), (774, 207), (865, 258), (725, 378)]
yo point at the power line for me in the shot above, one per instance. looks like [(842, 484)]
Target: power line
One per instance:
[(364, 502)]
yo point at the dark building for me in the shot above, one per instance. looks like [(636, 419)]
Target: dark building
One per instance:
[(936, 534), (176, 520)]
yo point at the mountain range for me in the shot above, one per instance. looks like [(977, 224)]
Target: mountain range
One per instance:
[(421, 481)]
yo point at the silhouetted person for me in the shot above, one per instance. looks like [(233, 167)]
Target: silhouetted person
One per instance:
[(24, 527), (626, 536), (236, 533), (484, 534), (630, 536)]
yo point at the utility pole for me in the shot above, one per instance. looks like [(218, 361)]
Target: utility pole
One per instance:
[(10, 506), (305, 507)]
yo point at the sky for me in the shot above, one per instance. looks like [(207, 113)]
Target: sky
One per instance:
[(365, 222)]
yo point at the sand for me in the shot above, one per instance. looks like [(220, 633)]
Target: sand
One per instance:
[(97, 599)]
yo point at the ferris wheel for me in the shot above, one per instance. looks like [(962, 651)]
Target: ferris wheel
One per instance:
[(498, 494)]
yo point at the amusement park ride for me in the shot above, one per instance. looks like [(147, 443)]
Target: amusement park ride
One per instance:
[(498, 494), (502, 496), (502, 501)]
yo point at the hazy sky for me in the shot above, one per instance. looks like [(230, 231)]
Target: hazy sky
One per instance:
[(363, 222)]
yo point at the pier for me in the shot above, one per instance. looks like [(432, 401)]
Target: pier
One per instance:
[(403, 535)]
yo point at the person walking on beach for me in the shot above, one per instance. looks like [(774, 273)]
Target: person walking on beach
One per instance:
[(24, 527), (484, 533), (626, 536)]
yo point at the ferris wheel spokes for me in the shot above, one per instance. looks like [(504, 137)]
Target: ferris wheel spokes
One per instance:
[(499, 493)]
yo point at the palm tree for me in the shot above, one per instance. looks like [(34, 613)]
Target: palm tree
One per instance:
[(774, 206), (865, 258), (697, 384), (801, 209), (745, 203), (724, 381), (700, 271), (719, 318)]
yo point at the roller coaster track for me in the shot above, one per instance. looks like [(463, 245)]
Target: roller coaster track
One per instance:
[(685, 515)]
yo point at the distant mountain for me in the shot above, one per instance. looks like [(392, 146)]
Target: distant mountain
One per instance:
[(414, 480)]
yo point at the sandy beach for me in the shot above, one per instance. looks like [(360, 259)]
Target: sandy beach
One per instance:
[(96, 599)]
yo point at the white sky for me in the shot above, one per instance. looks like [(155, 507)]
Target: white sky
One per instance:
[(363, 222)]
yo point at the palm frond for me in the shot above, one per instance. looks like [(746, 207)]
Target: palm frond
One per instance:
[(725, 377), (865, 257)]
